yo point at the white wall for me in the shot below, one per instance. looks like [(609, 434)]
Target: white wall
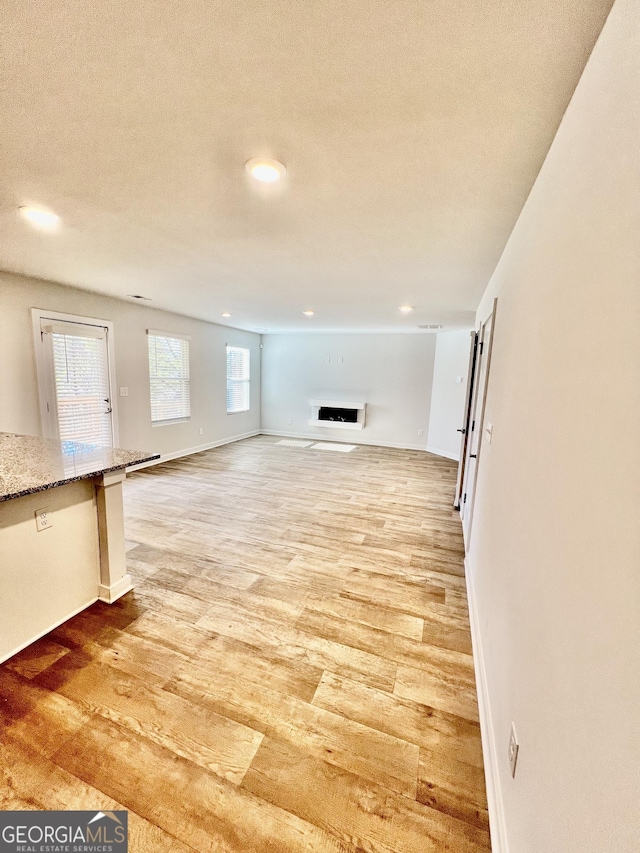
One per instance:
[(391, 373), (19, 410), (554, 562), (448, 394), (46, 577)]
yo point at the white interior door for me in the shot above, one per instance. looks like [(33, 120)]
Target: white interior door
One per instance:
[(466, 419), (75, 382), (474, 442)]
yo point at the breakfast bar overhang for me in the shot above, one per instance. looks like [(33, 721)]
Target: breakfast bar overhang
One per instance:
[(61, 533)]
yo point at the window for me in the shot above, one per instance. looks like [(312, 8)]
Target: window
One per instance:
[(169, 377), (238, 379)]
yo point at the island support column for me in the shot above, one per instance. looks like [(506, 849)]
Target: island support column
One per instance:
[(114, 580)]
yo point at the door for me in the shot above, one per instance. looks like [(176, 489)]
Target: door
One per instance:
[(466, 421), (74, 378), (474, 438)]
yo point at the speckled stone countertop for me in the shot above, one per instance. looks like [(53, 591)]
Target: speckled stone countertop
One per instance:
[(30, 464)]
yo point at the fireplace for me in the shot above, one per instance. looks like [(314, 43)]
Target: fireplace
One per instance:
[(337, 414), (345, 416)]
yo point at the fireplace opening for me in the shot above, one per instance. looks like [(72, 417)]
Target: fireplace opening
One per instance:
[(337, 414), (345, 416)]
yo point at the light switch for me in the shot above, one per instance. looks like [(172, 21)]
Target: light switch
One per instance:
[(124, 392), (459, 380)]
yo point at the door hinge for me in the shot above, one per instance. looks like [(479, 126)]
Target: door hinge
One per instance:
[(464, 500), (473, 426), (481, 347)]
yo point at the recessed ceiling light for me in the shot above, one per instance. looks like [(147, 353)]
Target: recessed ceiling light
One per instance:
[(264, 170), (406, 308), (431, 326), (225, 314), (308, 313), (40, 217)]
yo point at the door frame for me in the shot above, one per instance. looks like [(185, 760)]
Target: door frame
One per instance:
[(46, 390), (478, 406)]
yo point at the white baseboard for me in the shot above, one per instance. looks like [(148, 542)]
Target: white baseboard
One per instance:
[(167, 457), (445, 453), (351, 440), (109, 594), (178, 454), (497, 823), (41, 634)]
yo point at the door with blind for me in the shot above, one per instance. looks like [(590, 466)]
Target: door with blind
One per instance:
[(74, 378)]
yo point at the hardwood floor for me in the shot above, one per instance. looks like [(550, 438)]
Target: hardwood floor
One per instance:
[(293, 671)]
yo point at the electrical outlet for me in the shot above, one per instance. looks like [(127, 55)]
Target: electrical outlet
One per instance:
[(43, 519), (124, 392), (420, 432), (201, 431), (290, 421), (514, 748)]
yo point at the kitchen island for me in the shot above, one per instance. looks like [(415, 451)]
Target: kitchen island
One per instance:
[(61, 533)]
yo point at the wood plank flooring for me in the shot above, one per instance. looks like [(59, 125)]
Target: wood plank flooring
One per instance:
[(292, 672)]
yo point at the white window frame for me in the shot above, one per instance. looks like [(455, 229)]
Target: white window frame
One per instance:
[(247, 381), (176, 336), (46, 389)]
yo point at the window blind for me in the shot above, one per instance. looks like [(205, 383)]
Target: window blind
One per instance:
[(238, 379), (168, 377), (81, 377)]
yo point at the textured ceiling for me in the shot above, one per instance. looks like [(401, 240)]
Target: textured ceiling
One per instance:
[(412, 131)]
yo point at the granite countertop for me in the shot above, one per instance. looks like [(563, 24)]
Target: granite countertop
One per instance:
[(30, 464)]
